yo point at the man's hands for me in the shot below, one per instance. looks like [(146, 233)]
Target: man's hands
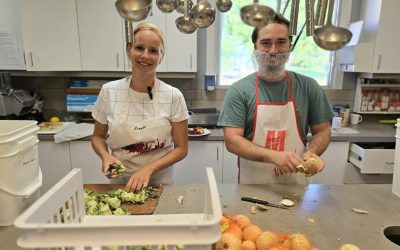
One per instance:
[(287, 162)]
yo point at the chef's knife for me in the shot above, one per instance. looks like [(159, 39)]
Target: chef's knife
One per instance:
[(266, 203)]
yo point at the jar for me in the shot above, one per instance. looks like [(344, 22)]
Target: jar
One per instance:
[(393, 99), (364, 100), (384, 99)]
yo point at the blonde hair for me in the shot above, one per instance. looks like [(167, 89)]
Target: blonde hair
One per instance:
[(151, 27)]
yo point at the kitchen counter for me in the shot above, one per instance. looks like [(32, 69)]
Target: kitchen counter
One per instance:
[(322, 212), (363, 132)]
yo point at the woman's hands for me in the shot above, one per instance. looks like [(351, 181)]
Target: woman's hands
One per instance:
[(139, 180), (107, 161)]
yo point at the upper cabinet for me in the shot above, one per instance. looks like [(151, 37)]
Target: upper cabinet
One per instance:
[(101, 36), (377, 51), (50, 34), (89, 35), (11, 45), (181, 48)]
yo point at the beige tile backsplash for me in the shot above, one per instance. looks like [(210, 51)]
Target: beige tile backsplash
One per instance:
[(54, 91)]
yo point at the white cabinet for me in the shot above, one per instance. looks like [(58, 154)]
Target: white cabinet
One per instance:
[(54, 160), (181, 48), (335, 159), (378, 50), (201, 154), (11, 45), (101, 36), (230, 170), (84, 157), (50, 34)]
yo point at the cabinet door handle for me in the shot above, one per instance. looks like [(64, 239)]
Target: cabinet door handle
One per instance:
[(379, 61), (117, 60), (30, 53), (24, 54), (191, 62), (389, 162), (217, 154)]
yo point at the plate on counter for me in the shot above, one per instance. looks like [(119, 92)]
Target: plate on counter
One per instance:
[(53, 127), (198, 131)]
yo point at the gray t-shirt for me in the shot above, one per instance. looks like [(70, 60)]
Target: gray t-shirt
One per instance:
[(312, 105)]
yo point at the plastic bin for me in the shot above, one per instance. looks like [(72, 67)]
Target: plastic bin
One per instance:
[(45, 225), (19, 165), (13, 204)]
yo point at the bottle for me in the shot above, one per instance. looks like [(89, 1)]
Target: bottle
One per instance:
[(364, 100), (378, 101), (393, 99), (385, 99), (371, 100), (398, 100)]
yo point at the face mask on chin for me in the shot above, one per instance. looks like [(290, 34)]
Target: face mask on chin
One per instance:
[(270, 66)]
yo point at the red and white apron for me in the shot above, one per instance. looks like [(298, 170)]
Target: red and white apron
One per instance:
[(275, 127), (137, 144)]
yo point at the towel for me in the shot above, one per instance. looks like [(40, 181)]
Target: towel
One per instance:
[(73, 132)]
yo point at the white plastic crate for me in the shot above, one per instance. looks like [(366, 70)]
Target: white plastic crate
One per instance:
[(19, 166), (44, 225)]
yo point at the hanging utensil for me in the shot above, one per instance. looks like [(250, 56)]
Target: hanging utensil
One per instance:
[(183, 23), (180, 6), (256, 15), (278, 6), (224, 5), (203, 14), (310, 17), (166, 6), (133, 10), (320, 12), (294, 13), (331, 37)]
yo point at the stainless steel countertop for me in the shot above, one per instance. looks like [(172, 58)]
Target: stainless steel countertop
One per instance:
[(322, 212)]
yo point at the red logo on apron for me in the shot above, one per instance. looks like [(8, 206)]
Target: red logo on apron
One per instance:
[(275, 140)]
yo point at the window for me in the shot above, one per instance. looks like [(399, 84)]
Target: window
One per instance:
[(236, 48)]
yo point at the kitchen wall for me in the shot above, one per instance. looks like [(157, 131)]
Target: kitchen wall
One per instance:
[(54, 91)]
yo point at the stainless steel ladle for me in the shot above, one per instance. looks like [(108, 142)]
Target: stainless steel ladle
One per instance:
[(133, 10), (166, 6), (183, 23), (203, 14), (256, 15), (331, 37), (224, 5), (180, 6)]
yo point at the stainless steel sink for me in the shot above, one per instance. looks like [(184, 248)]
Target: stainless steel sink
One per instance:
[(392, 233), (204, 117)]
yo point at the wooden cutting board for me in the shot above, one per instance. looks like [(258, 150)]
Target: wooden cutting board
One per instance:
[(145, 208)]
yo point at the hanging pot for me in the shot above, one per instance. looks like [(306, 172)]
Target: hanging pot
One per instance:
[(166, 6), (183, 23)]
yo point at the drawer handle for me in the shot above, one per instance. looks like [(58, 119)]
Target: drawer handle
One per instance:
[(389, 162)]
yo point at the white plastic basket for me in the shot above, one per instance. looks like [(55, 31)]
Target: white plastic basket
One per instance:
[(44, 225), (19, 164)]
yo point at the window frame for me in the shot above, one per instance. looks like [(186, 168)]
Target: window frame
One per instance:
[(213, 39)]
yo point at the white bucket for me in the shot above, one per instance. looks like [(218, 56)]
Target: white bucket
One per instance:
[(14, 203), (19, 164)]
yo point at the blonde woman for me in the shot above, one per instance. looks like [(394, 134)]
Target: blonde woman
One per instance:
[(140, 118)]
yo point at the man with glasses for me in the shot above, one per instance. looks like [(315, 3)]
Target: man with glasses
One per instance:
[(267, 114)]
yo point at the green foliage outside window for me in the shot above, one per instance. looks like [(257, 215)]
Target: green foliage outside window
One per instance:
[(236, 47)]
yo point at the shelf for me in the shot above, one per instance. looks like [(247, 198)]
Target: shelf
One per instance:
[(380, 85), (378, 112), (83, 91)]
